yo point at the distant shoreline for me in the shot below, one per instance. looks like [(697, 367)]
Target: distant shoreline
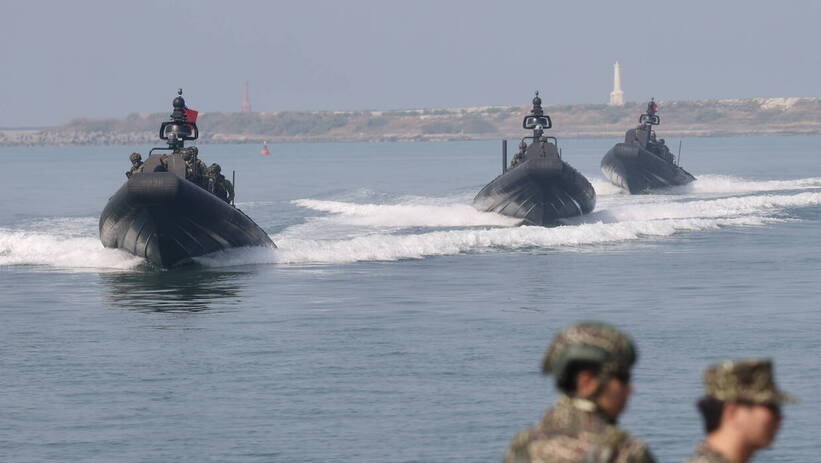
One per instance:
[(698, 118)]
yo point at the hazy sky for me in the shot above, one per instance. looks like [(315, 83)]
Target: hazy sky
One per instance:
[(65, 59)]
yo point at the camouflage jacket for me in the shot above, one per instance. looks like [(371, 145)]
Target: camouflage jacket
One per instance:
[(221, 187), (134, 170), (197, 172), (229, 189), (705, 454), (574, 431)]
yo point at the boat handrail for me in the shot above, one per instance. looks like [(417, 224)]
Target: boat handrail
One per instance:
[(555, 141), (167, 148)]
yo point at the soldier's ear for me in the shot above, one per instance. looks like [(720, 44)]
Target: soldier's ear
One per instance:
[(731, 413), (587, 383)]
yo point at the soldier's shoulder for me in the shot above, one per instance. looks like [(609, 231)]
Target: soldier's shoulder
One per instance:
[(517, 450), (628, 448), (536, 445)]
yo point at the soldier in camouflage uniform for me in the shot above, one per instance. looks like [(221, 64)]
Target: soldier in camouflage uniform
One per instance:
[(219, 185), (519, 157), (196, 170), (136, 164), (591, 363), (741, 411)]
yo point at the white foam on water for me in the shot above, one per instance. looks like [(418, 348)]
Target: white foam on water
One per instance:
[(715, 184), (408, 215), (675, 208), (241, 204), (624, 223), (390, 247), (38, 248), (605, 187), (464, 197), (355, 232), (724, 184)]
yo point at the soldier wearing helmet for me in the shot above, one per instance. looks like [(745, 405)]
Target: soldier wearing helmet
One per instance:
[(195, 169), (218, 184), (519, 157), (741, 408), (591, 364), (136, 164)]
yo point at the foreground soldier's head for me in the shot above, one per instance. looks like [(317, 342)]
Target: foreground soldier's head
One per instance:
[(741, 408), (591, 363), (592, 360)]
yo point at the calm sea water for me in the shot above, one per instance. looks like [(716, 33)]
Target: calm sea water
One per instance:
[(395, 323)]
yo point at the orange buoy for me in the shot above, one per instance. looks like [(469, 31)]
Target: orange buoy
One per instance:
[(265, 151)]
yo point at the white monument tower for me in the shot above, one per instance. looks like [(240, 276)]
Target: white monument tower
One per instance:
[(616, 96)]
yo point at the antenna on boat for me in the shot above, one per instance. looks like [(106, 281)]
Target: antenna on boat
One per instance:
[(679, 153), (234, 182), (504, 156)]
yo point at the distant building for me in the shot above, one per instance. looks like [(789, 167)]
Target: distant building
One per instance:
[(245, 107), (616, 96)]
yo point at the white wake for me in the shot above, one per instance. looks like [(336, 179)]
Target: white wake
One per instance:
[(408, 215), (417, 227), (60, 250)]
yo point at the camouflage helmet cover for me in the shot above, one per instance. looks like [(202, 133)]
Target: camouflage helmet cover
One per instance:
[(135, 157), (589, 342), (215, 168), (750, 380)]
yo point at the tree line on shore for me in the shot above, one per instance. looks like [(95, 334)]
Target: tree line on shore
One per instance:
[(754, 116)]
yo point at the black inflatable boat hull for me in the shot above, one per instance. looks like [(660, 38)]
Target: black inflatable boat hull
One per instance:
[(638, 170), (169, 220), (539, 191)]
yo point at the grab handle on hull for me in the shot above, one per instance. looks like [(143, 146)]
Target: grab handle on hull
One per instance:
[(678, 163), (504, 156)]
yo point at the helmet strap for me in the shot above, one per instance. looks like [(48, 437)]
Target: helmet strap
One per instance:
[(601, 379), (604, 375)]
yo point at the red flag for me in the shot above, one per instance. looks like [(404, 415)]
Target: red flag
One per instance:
[(191, 115)]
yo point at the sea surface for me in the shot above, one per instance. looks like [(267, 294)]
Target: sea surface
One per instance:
[(395, 323)]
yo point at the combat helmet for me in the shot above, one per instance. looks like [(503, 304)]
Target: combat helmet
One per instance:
[(189, 153), (750, 380), (214, 169), (589, 343), (135, 157)]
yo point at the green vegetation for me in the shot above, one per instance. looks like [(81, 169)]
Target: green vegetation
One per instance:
[(376, 122), (695, 118), (477, 125), (439, 127)]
